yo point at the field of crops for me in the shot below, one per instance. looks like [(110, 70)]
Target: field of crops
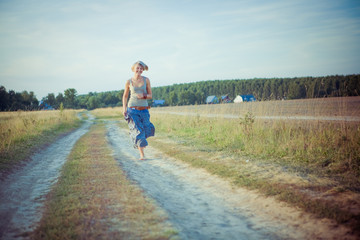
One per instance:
[(322, 135), (324, 107)]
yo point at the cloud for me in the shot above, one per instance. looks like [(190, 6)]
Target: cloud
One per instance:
[(91, 45)]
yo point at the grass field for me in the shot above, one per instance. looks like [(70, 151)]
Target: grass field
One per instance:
[(22, 132), (319, 107), (313, 164), (326, 147)]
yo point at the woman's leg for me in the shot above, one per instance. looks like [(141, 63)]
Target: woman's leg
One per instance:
[(141, 150), (136, 126), (140, 129)]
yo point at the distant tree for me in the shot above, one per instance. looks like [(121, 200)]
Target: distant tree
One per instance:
[(70, 98), (59, 100), (16, 101), (120, 95), (172, 99), (296, 90), (92, 103), (4, 99), (29, 101)]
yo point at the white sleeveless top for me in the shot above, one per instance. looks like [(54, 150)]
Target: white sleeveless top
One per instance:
[(134, 101)]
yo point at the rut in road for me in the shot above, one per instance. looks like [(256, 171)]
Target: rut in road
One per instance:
[(204, 206), (23, 192), (195, 212)]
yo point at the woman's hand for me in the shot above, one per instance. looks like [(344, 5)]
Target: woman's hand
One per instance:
[(142, 96)]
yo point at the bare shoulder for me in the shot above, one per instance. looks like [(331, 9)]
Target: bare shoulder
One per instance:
[(127, 82), (147, 80)]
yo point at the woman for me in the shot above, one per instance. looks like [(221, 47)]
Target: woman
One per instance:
[(136, 111)]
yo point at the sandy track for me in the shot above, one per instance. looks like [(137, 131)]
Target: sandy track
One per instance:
[(203, 206), (23, 192)]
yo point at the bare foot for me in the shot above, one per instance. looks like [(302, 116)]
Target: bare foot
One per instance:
[(141, 151), (142, 158)]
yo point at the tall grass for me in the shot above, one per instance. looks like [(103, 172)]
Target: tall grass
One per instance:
[(346, 106), (325, 147), (20, 131), (17, 126), (110, 112)]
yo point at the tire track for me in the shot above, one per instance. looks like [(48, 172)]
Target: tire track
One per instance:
[(195, 212), (23, 192)]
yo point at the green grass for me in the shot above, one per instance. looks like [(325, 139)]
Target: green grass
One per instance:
[(242, 177), (331, 149), (320, 150), (322, 157)]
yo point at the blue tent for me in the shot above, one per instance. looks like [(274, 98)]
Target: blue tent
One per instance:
[(45, 106), (157, 103), (212, 100)]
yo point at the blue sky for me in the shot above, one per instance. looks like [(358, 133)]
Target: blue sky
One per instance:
[(47, 46)]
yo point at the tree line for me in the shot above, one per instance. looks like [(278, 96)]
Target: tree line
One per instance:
[(194, 93), (262, 89)]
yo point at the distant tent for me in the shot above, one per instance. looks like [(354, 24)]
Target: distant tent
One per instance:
[(157, 103), (244, 98), (45, 106), (212, 100), (225, 99)]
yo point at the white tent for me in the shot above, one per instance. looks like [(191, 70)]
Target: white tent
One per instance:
[(244, 98)]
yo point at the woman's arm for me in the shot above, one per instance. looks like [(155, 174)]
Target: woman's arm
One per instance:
[(148, 89), (125, 96)]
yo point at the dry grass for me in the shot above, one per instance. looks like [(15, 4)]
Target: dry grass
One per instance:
[(325, 147), (311, 164), (345, 106), (110, 112), (22, 132), (314, 164), (17, 126), (94, 200)]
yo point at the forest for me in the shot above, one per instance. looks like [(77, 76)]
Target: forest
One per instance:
[(193, 93)]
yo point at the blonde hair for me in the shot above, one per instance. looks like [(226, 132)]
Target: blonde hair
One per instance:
[(140, 63)]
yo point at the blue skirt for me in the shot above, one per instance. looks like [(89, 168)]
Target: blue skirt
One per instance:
[(140, 126)]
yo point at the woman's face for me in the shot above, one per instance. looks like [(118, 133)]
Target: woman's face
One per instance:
[(139, 69)]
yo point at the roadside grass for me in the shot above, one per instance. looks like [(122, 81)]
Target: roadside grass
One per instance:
[(326, 151), (243, 174), (93, 199), (22, 133), (314, 165), (107, 113), (329, 149)]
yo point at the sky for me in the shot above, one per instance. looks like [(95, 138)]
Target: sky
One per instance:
[(48, 46)]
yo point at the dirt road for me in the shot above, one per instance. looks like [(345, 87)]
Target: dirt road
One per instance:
[(203, 206), (23, 192), (199, 205)]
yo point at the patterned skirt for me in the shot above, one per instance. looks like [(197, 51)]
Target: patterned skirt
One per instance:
[(140, 126)]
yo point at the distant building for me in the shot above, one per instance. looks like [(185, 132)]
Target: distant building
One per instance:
[(158, 103), (212, 100), (45, 106), (225, 99), (244, 98)]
